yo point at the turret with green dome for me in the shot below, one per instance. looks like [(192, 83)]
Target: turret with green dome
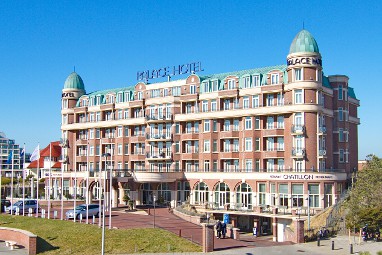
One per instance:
[(304, 42), (74, 81)]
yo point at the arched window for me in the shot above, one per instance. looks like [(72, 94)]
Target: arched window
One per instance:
[(244, 196), (201, 193), (222, 195)]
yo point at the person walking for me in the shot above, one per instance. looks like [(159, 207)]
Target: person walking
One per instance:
[(218, 229), (224, 229)]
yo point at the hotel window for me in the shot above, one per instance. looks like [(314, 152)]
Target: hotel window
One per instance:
[(235, 145), (188, 128), (236, 103), (340, 92), (119, 114), (213, 105), (298, 98), (283, 194), (340, 114), (340, 135), (280, 143), (257, 144), (214, 85), (328, 195), (342, 156), (119, 149), (270, 100), (257, 165), (91, 151), (248, 165), (196, 146), (298, 74), (297, 195), (98, 100), (280, 99), (166, 92), (206, 146), (98, 133), (215, 126), (321, 98), (126, 114), (65, 104), (126, 149), (139, 94), (270, 122), (231, 84), (280, 122), (227, 125), (270, 165), (188, 147), (206, 125), (248, 144), (255, 101), (97, 151), (192, 89), (177, 145), (177, 128), (176, 91), (196, 127), (248, 123), (91, 117), (215, 145), (120, 97), (235, 125), (270, 144), (246, 102), (227, 104), (206, 165), (246, 82), (227, 145), (280, 165), (298, 122), (98, 116), (91, 133), (256, 80), (119, 131), (188, 107), (314, 195), (206, 87), (257, 122), (262, 194), (205, 106), (275, 78)]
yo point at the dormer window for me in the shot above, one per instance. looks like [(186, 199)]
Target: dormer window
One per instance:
[(98, 100), (247, 82), (256, 80), (192, 89), (84, 102), (231, 84), (120, 97), (214, 85), (111, 99), (206, 87), (275, 78)]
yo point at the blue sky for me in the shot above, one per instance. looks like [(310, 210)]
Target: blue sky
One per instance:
[(109, 41)]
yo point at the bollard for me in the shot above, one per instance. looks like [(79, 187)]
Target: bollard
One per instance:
[(318, 241), (351, 248), (55, 214), (93, 219), (180, 233), (149, 212), (332, 245)]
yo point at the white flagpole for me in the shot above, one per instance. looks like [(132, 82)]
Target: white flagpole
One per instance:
[(49, 179), (75, 183), (13, 152), (87, 185), (38, 173), (111, 184), (99, 183), (1, 173), (24, 178), (62, 182)]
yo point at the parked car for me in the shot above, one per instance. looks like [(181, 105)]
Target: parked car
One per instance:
[(4, 203), (29, 203), (81, 210)]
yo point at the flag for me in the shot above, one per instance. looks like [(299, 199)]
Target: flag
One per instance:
[(22, 153), (10, 156), (35, 154)]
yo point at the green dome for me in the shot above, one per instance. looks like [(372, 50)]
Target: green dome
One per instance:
[(304, 42), (74, 81)]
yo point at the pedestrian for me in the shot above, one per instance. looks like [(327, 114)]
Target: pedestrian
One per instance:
[(224, 229), (218, 229)]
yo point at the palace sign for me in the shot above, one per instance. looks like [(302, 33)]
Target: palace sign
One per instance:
[(170, 71), (304, 61)]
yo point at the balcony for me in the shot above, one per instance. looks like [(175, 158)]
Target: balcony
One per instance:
[(298, 152), (64, 143), (229, 134), (158, 156), (159, 137), (159, 117), (298, 129), (64, 159), (189, 136), (106, 140)]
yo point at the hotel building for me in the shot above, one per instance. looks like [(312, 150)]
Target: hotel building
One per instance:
[(8, 146), (248, 141)]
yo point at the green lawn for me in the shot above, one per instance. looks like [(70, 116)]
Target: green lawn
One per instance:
[(67, 237)]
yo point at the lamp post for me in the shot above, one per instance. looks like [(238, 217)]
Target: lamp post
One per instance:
[(103, 206), (308, 210), (154, 197)]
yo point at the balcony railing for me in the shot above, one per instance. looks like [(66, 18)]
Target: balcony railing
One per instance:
[(158, 136), (322, 152), (159, 117), (162, 155), (298, 129), (322, 130), (64, 143), (298, 152)]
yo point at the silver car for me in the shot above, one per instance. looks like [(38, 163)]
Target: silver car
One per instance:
[(81, 210), (18, 206)]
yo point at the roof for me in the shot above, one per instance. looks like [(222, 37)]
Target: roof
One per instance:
[(304, 42), (55, 152), (74, 81), (351, 93)]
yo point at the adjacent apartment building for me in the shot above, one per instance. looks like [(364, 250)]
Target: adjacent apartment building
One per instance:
[(282, 136)]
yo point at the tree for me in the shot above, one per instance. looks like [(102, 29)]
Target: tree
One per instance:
[(365, 201)]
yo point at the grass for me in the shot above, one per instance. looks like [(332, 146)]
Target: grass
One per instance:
[(67, 237)]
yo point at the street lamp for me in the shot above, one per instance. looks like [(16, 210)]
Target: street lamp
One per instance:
[(103, 206), (154, 197)]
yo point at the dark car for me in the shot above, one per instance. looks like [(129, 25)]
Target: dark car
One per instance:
[(4, 203)]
